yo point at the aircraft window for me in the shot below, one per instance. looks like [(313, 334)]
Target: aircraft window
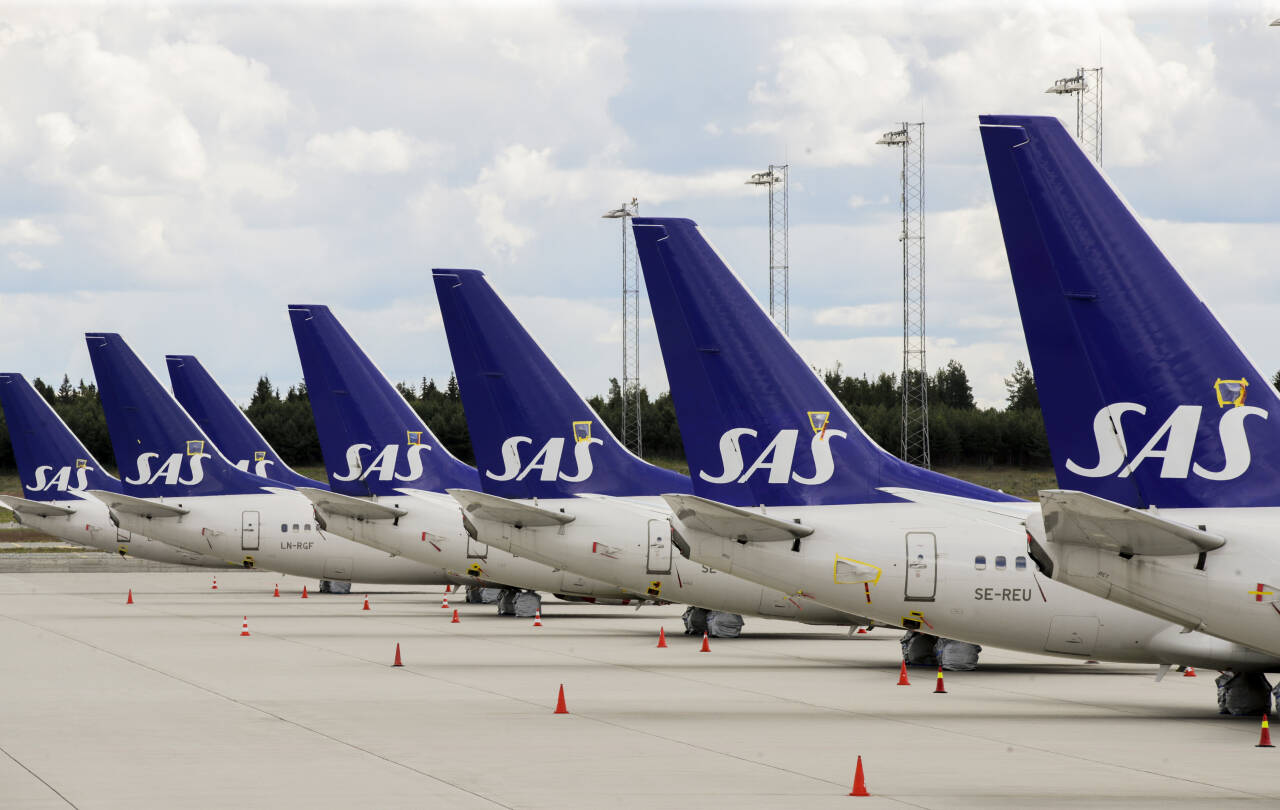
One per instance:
[(1020, 563), (1000, 562), (306, 527), (284, 527), (980, 562), (295, 527)]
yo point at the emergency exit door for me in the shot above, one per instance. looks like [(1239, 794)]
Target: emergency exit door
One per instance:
[(659, 559), (922, 566), (249, 531)]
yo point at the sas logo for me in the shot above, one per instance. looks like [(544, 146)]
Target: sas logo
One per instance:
[(260, 463), (384, 464), (170, 473), (61, 480), (546, 462), (1174, 441), (778, 457)]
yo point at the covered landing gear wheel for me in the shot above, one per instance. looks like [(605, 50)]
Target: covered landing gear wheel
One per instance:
[(1243, 693), (925, 650), (334, 586), (714, 623), (526, 604)]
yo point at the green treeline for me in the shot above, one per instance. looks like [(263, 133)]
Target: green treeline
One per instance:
[(960, 433)]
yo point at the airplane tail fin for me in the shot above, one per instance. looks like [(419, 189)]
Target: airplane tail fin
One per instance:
[(373, 442), (224, 422), (524, 417), (1146, 398), (53, 465), (160, 450), (759, 426)]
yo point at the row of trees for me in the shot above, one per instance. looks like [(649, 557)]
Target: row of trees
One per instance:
[(959, 431)]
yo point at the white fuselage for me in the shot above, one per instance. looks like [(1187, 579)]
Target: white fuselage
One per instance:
[(432, 533), (956, 576), (627, 541), (90, 525), (1233, 596), (277, 531)]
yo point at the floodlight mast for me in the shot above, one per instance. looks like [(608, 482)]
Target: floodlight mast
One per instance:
[(777, 179), (1086, 86), (915, 376), (632, 435)]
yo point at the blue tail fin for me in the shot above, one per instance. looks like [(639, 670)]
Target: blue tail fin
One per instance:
[(161, 451), (1146, 398), (226, 424), (524, 417), (52, 463), (759, 426), (363, 421)]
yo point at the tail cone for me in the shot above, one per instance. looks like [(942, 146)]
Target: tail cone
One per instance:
[(304, 591), (941, 690), (215, 584), (398, 662), (277, 591), (903, 680), (862, 631), (1265, 740), (537, 618), (561, 708), (859, 781), (1189, 672), (662, 636), (244, 628), (129, 601), (706, 644), (454, 620), (444, 602), (366, 602)]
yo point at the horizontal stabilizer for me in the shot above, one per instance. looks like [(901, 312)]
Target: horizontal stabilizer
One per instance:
[(1074, 517), (1013, 510), (733, 522), (347, 506), (129, 505), (502, 510), (25, 507)]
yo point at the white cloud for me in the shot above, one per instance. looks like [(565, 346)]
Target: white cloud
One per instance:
[(25, 261), (355, 150), (27, 232), (858, 316)]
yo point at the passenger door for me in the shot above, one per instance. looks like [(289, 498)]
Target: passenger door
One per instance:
[(922, 567), (249, 531), (659, 558)]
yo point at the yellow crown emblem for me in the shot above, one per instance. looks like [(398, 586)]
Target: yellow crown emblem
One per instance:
[(1231, 392)]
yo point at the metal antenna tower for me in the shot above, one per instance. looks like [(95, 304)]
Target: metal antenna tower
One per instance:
[(915, 378), (632, 437), (1086, 86), (779, 243)]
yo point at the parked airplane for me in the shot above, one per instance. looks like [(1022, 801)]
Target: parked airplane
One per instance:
[(179, 487), (560, 488), (1165, 437), (57, 471), (805, 502), (389, 473)]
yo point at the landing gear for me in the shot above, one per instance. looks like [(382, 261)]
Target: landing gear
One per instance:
[(714, 623), (334, 586), (1243, 693), (924, 650), (507, 602), (475, 594)]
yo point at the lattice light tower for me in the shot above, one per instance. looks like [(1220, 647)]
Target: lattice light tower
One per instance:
[(915, 377), (1086, 86), (632, 436), (776, 178)]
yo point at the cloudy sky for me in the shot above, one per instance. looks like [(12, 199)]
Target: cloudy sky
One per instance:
[(181, 174)]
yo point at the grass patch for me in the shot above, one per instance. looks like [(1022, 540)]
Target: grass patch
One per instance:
[(1024, 483)]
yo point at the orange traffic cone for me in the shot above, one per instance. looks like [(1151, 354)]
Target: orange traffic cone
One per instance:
[(277, 591), (903, 680), (941, 690), (1189, 672), (561, 708), (398, 662), (366, 602), (244, 628), (304, 591), (215, 584), (862, 631), (444, 601), (129, 601), (662, 636), (706, 644), (448, 589), (1265, 740), (537, 618), (859, 781), (454, 620)]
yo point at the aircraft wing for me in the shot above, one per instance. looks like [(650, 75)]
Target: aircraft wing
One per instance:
[(37, 508), (137, 506), (730, 521), (503, 510), (1074, 517), (347, 506)]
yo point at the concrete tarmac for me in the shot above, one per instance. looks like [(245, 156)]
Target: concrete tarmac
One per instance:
[(162, 704)]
